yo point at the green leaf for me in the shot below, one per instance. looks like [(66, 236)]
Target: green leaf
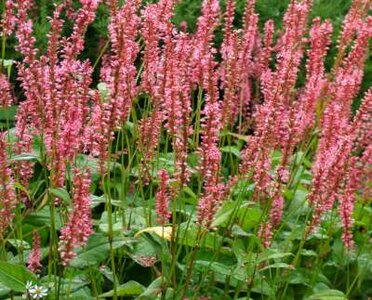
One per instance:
[(61, 193), (15, 276), (8, 114), (94, 164), (267, 255), (244, 138), (129, 126), (328, 295), (277, 266), (4, 290), (261, 286), (7, 62), (306, 252), (165, 232), (23, 189), (103, 90), (105, 227), (231, 149), (216, 267), (97, 200), (187, 235), (152, 291), (18, 243), (42, 218), (191, 194), (97, 250), (107, 272), (68, 286), (249, 217), (224, 214), (238, 231), (297, 203), (26, 156), (301, 276), (130, 288)]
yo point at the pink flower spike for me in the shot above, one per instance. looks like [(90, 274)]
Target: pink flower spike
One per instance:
[(6, 98), (34, 259), (7, 192), (162, 198), (79, 226)]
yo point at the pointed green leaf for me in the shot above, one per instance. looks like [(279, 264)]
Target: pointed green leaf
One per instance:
[(130, 288), (15, 276)]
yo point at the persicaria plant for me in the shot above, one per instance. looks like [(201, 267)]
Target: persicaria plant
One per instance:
[(226, 159)]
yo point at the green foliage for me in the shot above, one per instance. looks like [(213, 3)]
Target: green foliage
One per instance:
[(14, 277)]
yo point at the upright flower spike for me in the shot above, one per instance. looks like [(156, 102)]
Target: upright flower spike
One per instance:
[(119, 70), (9, 19), (177, 104), (209, 203), (345, 86), (30, 112), (156, 31), (162, 198), (34, 259), (350, 26), (327, 174), (276, 210), (6, 98), (23, 169), (79, 225), (210, 155), (346, 202), (334, 167), (26, 42), (68, 95), (230, 68), (97, 133), (265, 53), (206, 25), (64, 136), (7, 192), (157, 77), (29, 74), (229, 19), (54, 100), (361, 127), (246, 52), (290, 48), (273, 116), (75, 43), (348, 76), (265, 233), (320, 39), (56, 87)]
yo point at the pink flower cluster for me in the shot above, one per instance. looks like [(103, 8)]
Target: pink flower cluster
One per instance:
[(34, 259), (287, 116), (238, 86), (335, 168), (8, 198), (162, 198), (6, 98), (79, 225), (8, 20), (336, 172)]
